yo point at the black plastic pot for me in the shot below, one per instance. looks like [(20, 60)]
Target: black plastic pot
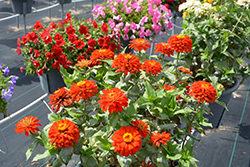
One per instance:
[(124, 44), (52, 81), (219, 111), (21, 6), (64, 1)]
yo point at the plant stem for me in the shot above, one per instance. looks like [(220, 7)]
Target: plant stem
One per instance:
[(176, 68)]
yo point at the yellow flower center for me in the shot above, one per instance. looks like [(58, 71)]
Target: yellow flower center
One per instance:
[(209, 1), (128, 56), (102, 50), (62, 127), (204, 86), (81, 83), (180, 36), (127, 137), (152, 63), (214, 7)]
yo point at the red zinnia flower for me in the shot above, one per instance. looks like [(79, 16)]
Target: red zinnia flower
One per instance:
[(142, 127), (152, 66), (158, 138), (203, 91), (63, 133), (164, 48), (113, 100), (180, 43), (127, 141), (139, 44), (105, 28), (60, 98), (126, 63), (79, 44), (185, 70), (27, 124), (83, 30), (101, 55), (83, 90), (169, 87)]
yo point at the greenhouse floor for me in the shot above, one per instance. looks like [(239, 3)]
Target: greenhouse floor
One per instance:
[(227, 146)]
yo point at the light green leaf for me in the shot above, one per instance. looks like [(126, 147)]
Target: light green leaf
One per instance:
[(31, 148)]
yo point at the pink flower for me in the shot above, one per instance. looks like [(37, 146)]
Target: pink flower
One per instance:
[(156, 27), (125, 37), (121, 24), (133, 27), (152, 2), (132, 37), (148, 32), (163, 8), (128, 10), (137, 7), (125, 30), (113, 9), (141, 32), (111, 23), (143, 20), (118, 18)]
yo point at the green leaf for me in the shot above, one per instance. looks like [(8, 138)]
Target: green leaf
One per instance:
[(222, 104), (149, 91), (179, 112), (88, 161), (31, 148), (113, 119), (66, 154), (41, 156), (124, 161), (54, 117), (166, 126), (104, 143)]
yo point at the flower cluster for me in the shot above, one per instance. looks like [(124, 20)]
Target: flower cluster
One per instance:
[(220, 31), (125, 108), (7, 83), (172, 4), (63, 43), (134, 19)]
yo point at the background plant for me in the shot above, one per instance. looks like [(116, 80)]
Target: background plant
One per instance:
[(220, 33)]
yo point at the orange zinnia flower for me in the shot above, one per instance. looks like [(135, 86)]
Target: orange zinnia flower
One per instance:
[(113, 100), (127, 140), (203, 91), (126, 63), (152, 66), (180, 43), (185, 70), (164, 48), (147, 164), (63, 133), (101, 54), (83, 63), (83, 90), (27, 124), (139, 44), (158, 138), (60, 98), (142, 127)]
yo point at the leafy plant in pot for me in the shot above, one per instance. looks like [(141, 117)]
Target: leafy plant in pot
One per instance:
[(123, 111), (220, 34)]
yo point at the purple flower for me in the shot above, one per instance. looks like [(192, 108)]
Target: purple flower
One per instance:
[(111, 23), (7, 94), (6, 71), (143, 20), (13, 80), (148, 32), (132, 37), (125, 30), (1, 65)]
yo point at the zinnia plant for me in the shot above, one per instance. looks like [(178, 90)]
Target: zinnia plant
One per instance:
[(7, 83), (134, 19), (126, 110), (48, 47)]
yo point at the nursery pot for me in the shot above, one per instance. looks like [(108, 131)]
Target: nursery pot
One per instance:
[(64, 1), (21, 6), (124, 43), (219, 111), (51, 81)]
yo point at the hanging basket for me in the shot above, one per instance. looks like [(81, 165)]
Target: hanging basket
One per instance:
[(52, 81), (21, 6)]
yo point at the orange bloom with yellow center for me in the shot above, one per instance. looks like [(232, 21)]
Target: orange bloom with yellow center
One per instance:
[(152, 66), (83, 63), (27, 124), (180, 43), (60, 98), (142, 127), (126, 63), (113, 100), (185, 70), (127, 141), (203, 91), (160, 138), (101, 54), (139, 44), (63, 133), (164, 48), (83, 90)]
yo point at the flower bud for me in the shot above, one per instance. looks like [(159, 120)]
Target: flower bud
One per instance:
[(219, 87)]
